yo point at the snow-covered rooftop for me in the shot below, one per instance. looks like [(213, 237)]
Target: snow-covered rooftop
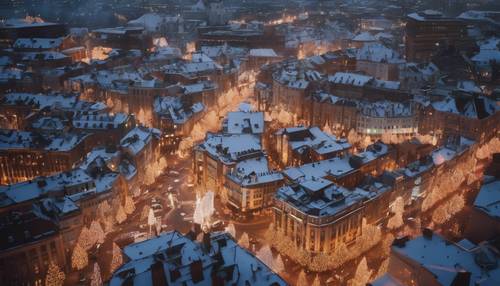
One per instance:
[(11, 73), (240, 122), (372, 152), (200, 57), (445, 259), (296, 74), (99, 120), (386, 84), (48, 123), (45, 56), (179, 260), (376, 52), (118, 30), (492, 43), (425, 70), (437, 157), (488, 199), (98, 154), (487, 16), (450, 149), (199, 87), (116, 80), (59, 101), (335, 167), (27, 21), (226, 50), (153, 22), (16, 139), (386, 109), (254, 171), (302, 139), (193, 68), (486, 57), (364, 37), (54, 189), (174, 109), (319, 197), (138, 138), (427, 15), (5, 60), (474, 107), (33, 189), (38, 43), (268, 53), (468, 86), (165, 53), (108, 159), (229, 148), (350, 79)]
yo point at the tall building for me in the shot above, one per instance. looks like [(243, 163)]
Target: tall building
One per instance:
[(29, 27), (429, 31)]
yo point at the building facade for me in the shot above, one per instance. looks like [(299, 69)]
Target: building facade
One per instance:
[(429, 31)]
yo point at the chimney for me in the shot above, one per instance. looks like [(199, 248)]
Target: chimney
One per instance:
[(206, 241), (158, 274), (427, 233), (462, 278), (400, 241), (196, 269)]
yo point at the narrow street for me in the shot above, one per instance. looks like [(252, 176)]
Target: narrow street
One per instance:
[(175, 183)]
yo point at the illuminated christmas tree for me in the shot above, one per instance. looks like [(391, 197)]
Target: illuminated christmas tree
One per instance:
[(79, 259), (96, 279), (302, 280), (129, 205), (97, 232), (398, 209), (362, 275), (244, 241), (116, 257), (54, 277), (121, 216)]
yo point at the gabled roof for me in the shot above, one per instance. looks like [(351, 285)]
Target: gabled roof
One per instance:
[(350, 79)]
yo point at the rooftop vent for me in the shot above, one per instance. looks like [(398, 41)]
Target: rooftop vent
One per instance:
[(427, 233), (400, 241)]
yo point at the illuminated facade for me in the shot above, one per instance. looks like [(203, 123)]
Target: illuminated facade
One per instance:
[(393, 118), (25, 155), (318, 210)]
